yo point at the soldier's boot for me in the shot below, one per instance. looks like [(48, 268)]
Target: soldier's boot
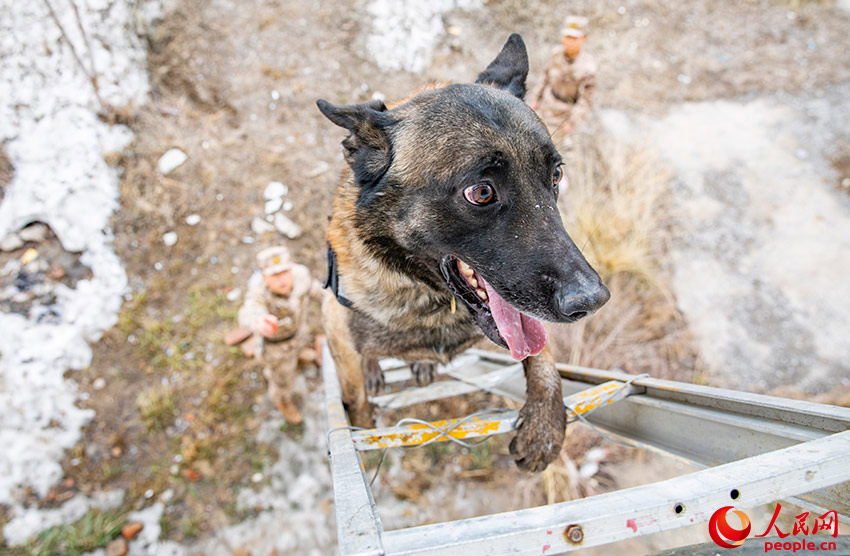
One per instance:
[(289, 410)]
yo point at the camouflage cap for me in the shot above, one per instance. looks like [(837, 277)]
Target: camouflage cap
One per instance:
[(274, 260), (574, 26)]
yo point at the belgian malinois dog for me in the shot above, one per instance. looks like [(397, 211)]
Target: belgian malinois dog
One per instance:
[(445, 229)]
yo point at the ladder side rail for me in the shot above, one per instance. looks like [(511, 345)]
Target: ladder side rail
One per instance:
[(642, 510), (358, 525), (708, 433), (820, 416)]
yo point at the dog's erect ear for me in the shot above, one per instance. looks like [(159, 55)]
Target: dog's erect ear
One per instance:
[(510, 68), (367, 148)]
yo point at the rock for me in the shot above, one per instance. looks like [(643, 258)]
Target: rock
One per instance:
[(286, 226), (273, 205), (11, 242), (236, 336), (167, 496), (260, 226), (169, 161), (190, 474), (193, 219), (56, 272), (234, 294), (99, 383), (288, 206), (205, 468), (588, 469), (118, 547), (307, 355), (320, 169), (169, 238), (257, 477), (35, 233), (29, 256), (275, 190), (130, 530)]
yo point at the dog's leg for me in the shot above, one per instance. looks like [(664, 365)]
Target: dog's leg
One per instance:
[(423, 372), (348, 363), (373, 375), (542, 420)]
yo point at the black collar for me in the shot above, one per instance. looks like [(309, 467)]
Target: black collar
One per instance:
[(332, 280)]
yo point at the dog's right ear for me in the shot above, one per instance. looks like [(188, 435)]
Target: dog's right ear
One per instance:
[(367, 148), (510, 68)]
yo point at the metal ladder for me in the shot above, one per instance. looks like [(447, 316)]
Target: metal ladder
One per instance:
[(755, 450)]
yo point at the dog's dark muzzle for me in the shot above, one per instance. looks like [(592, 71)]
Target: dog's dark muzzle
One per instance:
[(575, 302)]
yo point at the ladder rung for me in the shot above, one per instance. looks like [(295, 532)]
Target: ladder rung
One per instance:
[(439, 431)]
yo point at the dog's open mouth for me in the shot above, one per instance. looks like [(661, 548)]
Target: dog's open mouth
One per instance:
[(502, 323)]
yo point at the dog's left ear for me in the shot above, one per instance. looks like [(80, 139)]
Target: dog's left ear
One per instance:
[(510, 68), (367, 148)]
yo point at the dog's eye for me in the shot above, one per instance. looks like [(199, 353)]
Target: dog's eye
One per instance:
[(480, 194), (557, 175)]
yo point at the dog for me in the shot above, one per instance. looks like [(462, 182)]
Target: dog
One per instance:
[(444, 230)]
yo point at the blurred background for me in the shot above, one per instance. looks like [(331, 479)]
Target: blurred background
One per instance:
[(709, 185)]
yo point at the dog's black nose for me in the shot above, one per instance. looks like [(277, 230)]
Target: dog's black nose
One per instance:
[(575, 302)]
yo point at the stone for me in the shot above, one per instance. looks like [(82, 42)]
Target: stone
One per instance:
[(171, 160), (273, 205), (130, 530), (260, 226), (118, 547), (275, 190), (286, 226), (193, 219), (35, 233), (11, 242), (169, 238), (307, 355)]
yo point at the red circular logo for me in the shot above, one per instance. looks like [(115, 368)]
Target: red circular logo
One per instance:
[(722, 533)]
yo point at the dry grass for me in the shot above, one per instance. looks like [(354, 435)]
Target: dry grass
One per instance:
[(617, 211)]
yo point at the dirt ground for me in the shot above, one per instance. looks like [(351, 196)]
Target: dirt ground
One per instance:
[(234, 87)]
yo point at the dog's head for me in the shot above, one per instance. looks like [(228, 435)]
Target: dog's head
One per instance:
[(458, 187)]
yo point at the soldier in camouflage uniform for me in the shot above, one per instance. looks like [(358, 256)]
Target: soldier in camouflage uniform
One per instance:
[(274, 310), (564, 96)]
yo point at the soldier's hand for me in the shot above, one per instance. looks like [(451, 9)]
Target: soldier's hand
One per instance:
[(267, 325)]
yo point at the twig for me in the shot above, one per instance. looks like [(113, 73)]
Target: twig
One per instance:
[(93, 70), (89, 74)]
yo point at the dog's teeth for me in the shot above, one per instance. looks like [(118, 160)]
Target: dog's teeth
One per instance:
[(473, 282), (466, 269), (481, 293)]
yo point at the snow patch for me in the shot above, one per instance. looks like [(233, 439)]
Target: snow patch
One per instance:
[(404, 32), (56, 144)]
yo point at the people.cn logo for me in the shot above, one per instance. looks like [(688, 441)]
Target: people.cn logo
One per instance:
[(724, 534)]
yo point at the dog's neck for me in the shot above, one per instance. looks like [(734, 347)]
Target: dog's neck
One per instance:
[(367, 282)]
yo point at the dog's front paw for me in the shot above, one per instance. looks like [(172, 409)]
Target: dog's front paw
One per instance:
[(424, 372), (373, 376), (540, 434)]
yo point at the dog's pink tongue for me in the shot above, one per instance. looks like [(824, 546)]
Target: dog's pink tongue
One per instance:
[(524, 335)]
